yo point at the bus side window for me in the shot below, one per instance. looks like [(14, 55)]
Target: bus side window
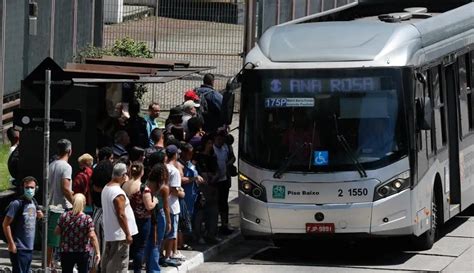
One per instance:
[(465, 96), (439, 107), (469, 58), (420, 135), (430, 134)]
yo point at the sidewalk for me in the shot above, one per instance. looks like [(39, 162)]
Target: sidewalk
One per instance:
[(199, 255)]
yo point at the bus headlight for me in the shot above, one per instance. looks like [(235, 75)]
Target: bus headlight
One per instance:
[(251, 188), (392, 186)]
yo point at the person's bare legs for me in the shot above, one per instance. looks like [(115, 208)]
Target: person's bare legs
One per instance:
[(169, 247), (180, 240), (49, 257), (175, 246)]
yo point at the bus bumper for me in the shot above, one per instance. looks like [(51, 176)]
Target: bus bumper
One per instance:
[(386, 217)]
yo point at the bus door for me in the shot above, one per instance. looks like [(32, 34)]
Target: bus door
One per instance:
[(453, 136)]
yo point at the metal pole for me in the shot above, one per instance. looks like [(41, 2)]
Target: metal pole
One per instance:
[(155, 31), (47, 106), (52, 22), (2, 63), (93, 22), (74, 28)]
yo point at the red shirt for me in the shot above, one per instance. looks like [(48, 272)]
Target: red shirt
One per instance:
[(136, 201), (81, 183)]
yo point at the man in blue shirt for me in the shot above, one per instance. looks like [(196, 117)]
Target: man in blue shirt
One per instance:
[(153, 114), (212, 115), (19, 227)]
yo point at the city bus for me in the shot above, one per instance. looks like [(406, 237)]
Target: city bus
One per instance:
[(359, 123)]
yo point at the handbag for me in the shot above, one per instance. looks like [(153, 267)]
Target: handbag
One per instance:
[(184, 223)]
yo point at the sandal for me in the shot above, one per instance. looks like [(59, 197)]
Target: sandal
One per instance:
[(186, 247)]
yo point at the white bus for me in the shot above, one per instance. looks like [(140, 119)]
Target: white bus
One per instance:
[(359, 122)]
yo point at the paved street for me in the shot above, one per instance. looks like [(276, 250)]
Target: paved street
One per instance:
[(454, 252)]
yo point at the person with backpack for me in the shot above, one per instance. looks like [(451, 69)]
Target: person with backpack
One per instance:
[(210, 104), (19, 226), (142, 203)]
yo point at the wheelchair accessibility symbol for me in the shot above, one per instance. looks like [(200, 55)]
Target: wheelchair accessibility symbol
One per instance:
[(320, 158)]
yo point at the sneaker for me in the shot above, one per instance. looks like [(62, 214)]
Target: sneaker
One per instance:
[(178, 256), (162, 262), (172, 262)]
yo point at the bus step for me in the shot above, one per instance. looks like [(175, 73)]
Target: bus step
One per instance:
[(454, 209)]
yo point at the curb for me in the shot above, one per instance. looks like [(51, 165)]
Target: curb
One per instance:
[(204, 256)]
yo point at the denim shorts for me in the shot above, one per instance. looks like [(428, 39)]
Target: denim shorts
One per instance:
[(161, 223), (173, 234)]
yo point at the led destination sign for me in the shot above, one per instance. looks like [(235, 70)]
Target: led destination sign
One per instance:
[(324, 85)]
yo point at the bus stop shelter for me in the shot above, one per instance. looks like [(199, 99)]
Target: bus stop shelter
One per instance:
[(83, 99)]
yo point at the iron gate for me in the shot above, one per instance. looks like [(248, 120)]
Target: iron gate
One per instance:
[(206, 33)]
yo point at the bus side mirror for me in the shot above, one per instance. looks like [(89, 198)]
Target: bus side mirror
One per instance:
[(424, 112), (228, 99)]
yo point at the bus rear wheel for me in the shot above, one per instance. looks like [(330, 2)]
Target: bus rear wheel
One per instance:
[(426, 240)]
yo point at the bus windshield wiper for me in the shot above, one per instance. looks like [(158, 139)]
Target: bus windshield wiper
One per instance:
[(350, 153), (284, 166)]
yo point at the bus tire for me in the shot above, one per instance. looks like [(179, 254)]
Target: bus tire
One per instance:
[(426, 240)]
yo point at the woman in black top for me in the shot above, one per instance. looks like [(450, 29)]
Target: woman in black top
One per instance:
[(207, 211)]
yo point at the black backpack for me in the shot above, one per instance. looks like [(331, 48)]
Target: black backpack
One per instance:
[(18, 213), (204, 107)]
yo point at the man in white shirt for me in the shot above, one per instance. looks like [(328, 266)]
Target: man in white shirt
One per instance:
[(176, 192), (189, 111), (119, 222)]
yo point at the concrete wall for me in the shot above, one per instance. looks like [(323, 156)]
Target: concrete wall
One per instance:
[(113, 11), (23, 52), (14, 44)]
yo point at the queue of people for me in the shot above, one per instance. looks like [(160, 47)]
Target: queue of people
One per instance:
[(151, 193)]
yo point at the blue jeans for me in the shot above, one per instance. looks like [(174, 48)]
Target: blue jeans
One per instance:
[(137, 248), (21, 261), (152, 251)]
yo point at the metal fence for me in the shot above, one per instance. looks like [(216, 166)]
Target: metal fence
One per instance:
[(206, 33)]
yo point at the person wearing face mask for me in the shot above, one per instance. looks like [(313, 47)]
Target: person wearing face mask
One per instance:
[(19, 227)]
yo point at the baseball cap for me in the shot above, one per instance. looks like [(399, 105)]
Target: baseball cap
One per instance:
[(190, 103), (172, 149), (191, 95)]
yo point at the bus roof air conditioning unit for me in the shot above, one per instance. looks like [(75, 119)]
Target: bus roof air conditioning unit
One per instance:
[(419, 12), (416, 10), (395, 17)]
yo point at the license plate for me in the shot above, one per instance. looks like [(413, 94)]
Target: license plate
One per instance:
[(320, 228)]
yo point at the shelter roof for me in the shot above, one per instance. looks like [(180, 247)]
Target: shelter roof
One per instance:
[(110, 69)]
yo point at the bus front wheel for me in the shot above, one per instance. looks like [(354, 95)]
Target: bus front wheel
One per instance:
[(426, 240)]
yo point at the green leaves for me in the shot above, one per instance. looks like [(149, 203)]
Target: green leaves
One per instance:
[(127, 47)]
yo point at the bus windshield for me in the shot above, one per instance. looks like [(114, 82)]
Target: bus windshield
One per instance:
[(322, 120)]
